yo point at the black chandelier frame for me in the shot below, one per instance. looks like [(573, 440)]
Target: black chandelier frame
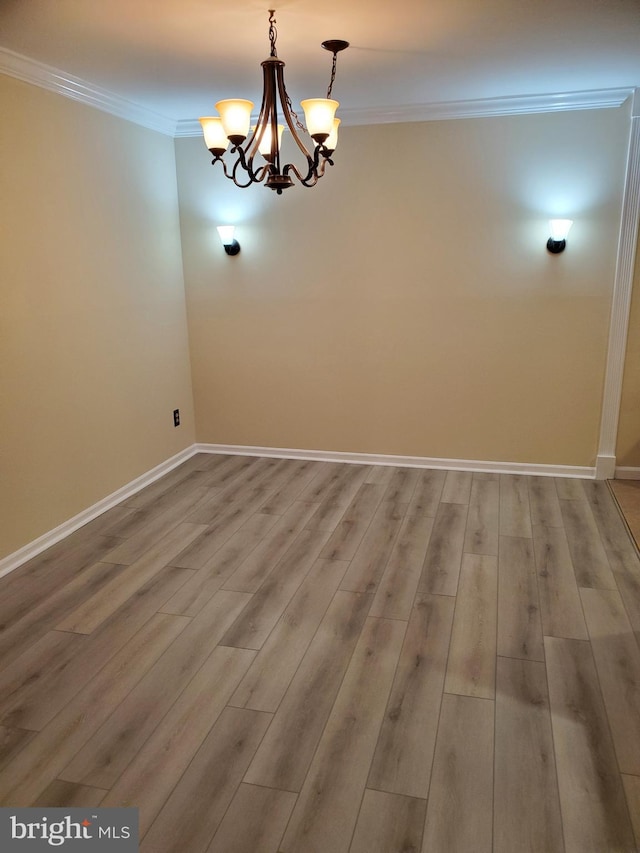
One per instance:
[(276, 176)]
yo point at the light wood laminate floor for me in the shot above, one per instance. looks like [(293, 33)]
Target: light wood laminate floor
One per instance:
[(283, 656)]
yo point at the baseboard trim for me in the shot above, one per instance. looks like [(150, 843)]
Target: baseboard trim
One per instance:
[(532, 469), (12, 561), (624, 472), (32, 549)]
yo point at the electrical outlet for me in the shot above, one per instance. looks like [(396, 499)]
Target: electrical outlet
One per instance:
[(176, 417)]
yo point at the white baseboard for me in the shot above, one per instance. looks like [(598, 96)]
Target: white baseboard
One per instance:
[(625, 473), (532, 469), (12, 561)]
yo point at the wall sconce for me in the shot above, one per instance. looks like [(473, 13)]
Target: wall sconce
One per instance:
[(231, 245), (559, 230)]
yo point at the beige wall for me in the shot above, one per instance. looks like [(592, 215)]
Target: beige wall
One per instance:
[(93, 344), (407, 304), (628, 447)]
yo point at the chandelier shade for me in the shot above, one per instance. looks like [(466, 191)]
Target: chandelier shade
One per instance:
[(214, 134), (265, 146), (233, 126), (235, 115), (319, 114), (332, 141)]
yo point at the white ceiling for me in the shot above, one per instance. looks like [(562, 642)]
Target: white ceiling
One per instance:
[(177, 57)]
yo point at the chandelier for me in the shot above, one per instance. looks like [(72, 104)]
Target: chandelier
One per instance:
[(232, 125)]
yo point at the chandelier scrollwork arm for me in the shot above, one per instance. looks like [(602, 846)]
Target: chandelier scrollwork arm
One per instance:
[(316, 169), (242, 162)]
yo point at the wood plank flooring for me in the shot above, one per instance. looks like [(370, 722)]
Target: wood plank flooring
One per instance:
[(284, 656)]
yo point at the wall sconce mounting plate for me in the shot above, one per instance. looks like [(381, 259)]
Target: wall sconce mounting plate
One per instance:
[(232, 248), (556, 246)]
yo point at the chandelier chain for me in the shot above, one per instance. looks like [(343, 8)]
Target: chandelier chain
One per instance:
[(273, 35), (333, 73), (299, 124), (273, 32)]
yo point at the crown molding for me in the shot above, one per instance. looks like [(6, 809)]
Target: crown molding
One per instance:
[(30, 71), (188, 127), (596, 99), (46, 77)]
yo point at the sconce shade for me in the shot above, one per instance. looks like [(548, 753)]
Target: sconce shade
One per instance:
[(319, 114), (235, 114), (214, 134), (231, 245), (559, 229), (226, 233)]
